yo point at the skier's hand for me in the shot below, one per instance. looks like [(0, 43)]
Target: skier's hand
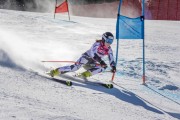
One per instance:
[(103, 64), (113, 69)]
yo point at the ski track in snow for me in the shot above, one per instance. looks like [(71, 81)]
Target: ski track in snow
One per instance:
[(27, 38)]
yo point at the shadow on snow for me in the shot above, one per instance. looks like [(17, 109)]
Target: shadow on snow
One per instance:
[(119, 92)]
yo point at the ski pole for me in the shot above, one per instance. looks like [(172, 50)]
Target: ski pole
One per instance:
[(66, 62), (112, 77), (58, 61)]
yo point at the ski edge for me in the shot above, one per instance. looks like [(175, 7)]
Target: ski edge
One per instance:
[(65, 82)]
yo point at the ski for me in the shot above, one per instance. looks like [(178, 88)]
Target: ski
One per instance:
[(76, 78), (106, 85), (65, 82)]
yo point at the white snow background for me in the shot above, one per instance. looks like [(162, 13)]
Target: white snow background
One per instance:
[(28, 38)]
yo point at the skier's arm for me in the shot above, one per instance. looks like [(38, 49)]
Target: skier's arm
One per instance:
[(97, 58), (111, 61), (111, 58), (94, 53)]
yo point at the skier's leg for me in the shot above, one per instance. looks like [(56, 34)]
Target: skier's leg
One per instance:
[(71, 68), (61, 70), (93, 71)]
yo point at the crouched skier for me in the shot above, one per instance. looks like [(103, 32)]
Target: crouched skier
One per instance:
[(92, 56)]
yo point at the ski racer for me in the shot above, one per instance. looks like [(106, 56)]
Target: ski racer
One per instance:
[(91, 57)]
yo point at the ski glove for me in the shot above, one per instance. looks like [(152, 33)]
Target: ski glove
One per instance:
[(113, 69), (103, 64)]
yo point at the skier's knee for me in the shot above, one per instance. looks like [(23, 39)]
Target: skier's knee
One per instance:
[(75, 67)]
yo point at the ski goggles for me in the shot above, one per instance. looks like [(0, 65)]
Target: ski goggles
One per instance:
[(110, 41)]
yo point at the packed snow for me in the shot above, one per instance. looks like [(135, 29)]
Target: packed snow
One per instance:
[(26, 93)]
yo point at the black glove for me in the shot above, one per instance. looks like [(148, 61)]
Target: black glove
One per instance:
[(103, 64), (113, 69)]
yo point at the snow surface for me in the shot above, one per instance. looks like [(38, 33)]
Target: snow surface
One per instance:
[(28, 38)]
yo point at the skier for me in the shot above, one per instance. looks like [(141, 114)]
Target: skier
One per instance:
[(91, 57)]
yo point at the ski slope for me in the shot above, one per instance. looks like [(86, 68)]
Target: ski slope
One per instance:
[(28, 38)]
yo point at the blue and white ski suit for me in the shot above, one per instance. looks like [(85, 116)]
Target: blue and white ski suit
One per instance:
[(91, 56)]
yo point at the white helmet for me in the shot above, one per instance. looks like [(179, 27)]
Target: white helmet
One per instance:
[(108, 37)]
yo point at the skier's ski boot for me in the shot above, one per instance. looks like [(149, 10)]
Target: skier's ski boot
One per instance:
[(85, 74), (54, 72)]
